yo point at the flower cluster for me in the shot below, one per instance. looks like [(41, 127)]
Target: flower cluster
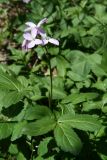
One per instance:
[(35, 35), (26, 1)]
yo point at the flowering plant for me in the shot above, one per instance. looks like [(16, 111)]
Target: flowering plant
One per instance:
[(53, 89)]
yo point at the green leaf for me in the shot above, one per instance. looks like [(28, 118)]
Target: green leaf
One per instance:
[(2, 95), (38, 158), (11, 90), (58, 88), (23, 80), (58, 93), (82, 69), (98, 71), (13, 149), (76, 98), (20, 156), (6, 129), (100, 85), (37, 112), (43, 146), (40, 127), (62, 64), (67, 139), (75, 77), (104, 60), (104, 99), (90, 105), (67, 108), (17, 130), (100, 10), (12, 97), (53, 50), (17, 54), (15, 68), (74, 56), (82, 122), (94, 59), (9, 82), (50, 158)]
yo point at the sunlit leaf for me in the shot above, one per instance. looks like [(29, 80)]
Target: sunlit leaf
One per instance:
[(37, 112), (79, 97), (40, 127), (67, 139), (6, 129), (17, 130), (43, 146), (9, 82), (82, 122)]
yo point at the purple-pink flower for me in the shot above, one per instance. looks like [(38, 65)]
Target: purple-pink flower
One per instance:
[(35, 29), (47, 39), (35, 35), (30, 41)]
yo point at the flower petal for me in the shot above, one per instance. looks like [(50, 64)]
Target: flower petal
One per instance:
[(34, 32), (34, 42), (41, 22), (41, 31), (45, 41), (30, 24), (31, 44), (38, 41), (27, 36), (53, 41), (24, 43)]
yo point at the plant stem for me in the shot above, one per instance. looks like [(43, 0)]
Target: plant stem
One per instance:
[(51, 85), (50, 94)]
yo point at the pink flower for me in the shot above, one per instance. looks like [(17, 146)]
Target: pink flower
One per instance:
[(47, 39), (32, 31), (30, 41), (35, 29)]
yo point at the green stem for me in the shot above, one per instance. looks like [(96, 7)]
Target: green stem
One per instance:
[(51, 85)]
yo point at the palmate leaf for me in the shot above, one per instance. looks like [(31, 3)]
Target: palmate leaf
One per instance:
[(67, 139), (82, 122), (40, 127)]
